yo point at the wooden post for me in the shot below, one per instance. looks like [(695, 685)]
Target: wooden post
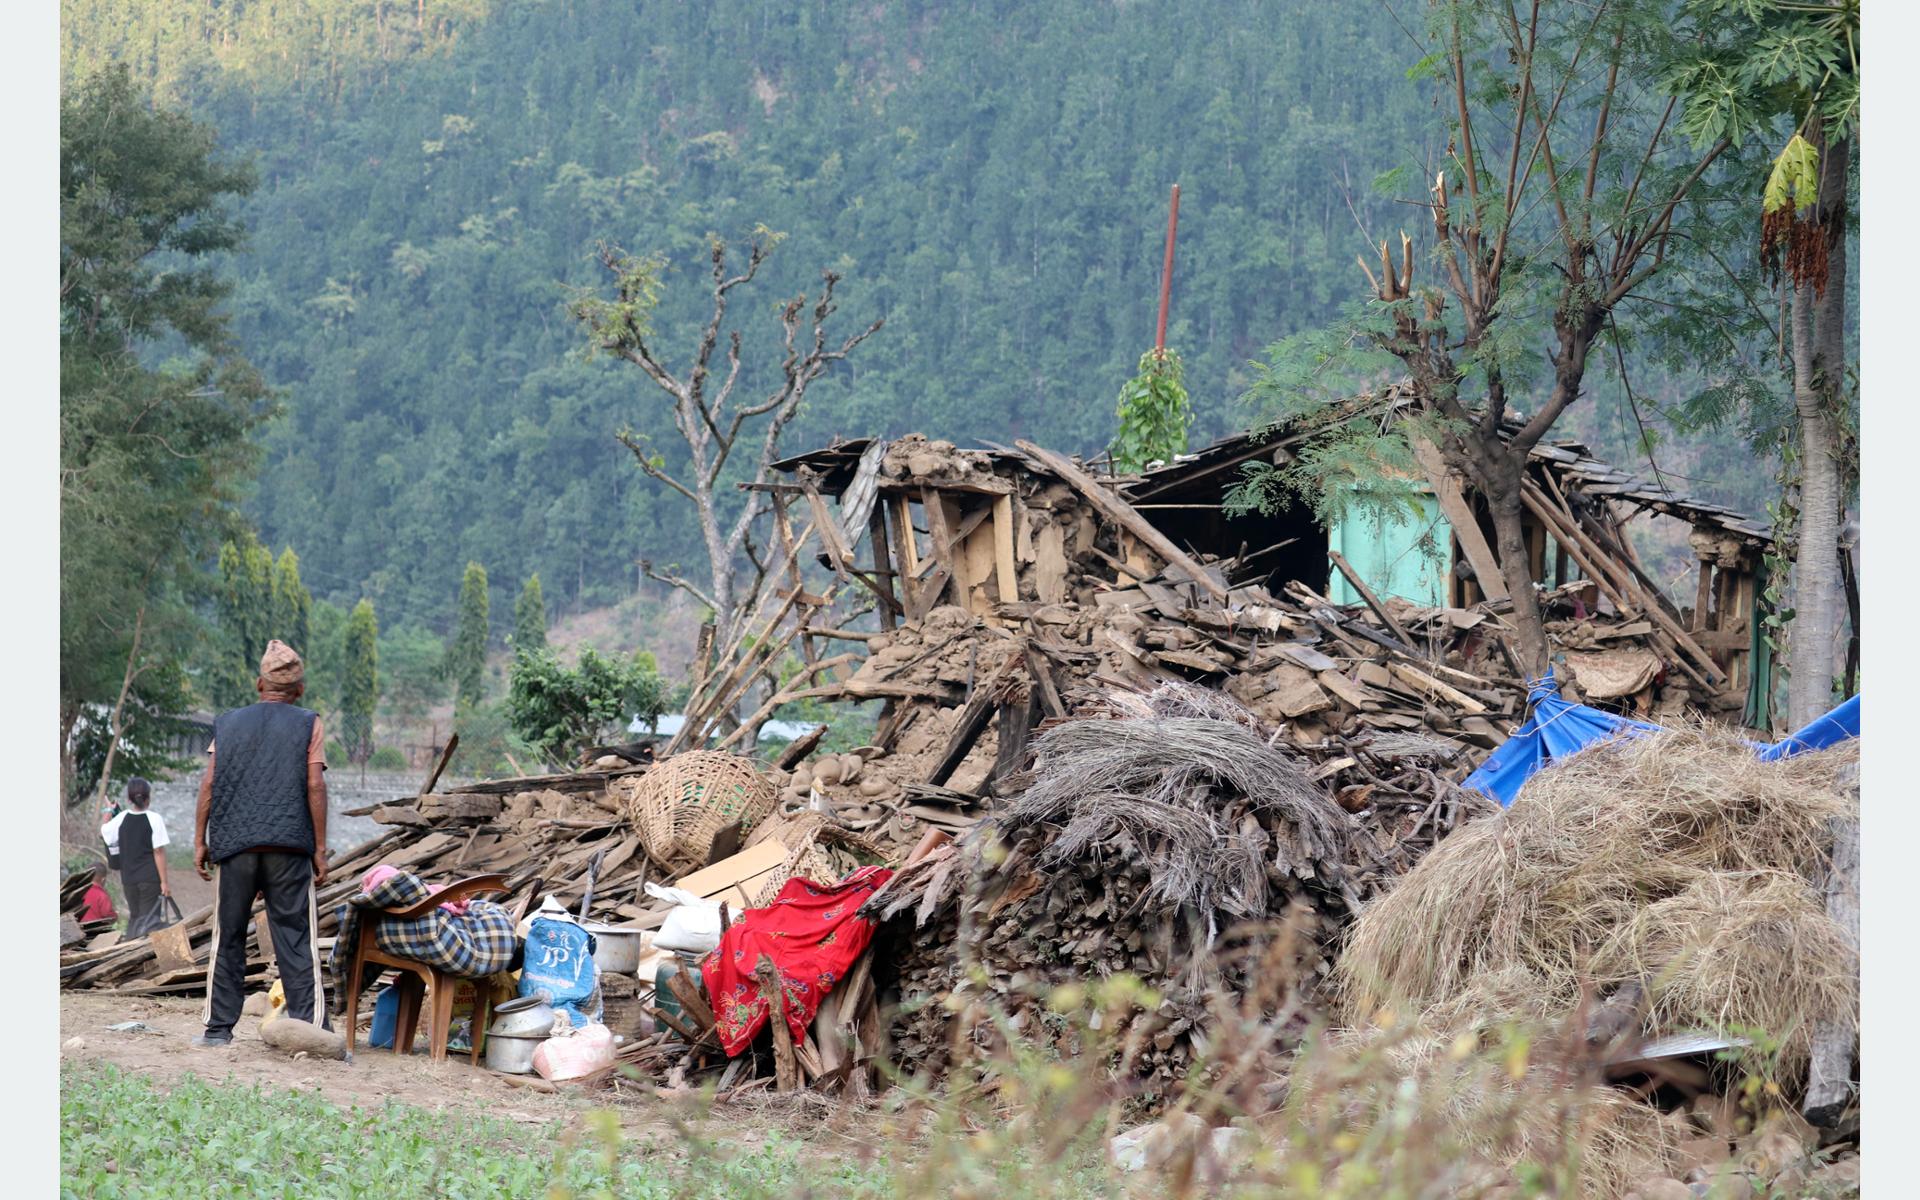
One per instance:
[(883, 568), (786, 1068), (1166, 272), (1830, 1073)]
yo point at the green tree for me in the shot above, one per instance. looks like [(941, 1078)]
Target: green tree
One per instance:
[(292, 604), (559, 711), (326, 669), (413, 681), (467, 652), (1766, 67), (360, 684), (150, 455), (1153, 413), (530, 616), (1552, 218)]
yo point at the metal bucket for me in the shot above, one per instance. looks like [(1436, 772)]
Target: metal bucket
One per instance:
[(617, 951), (518, 1028)]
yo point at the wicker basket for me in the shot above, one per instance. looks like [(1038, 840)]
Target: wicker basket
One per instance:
[(683, 801), (817, 849)]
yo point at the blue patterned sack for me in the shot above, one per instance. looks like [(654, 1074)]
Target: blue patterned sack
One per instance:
[(559, 963)]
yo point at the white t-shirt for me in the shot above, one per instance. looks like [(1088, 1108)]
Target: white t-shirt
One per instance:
[(111, 830)]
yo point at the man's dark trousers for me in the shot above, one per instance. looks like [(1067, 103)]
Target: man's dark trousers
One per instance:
[(286, 880)]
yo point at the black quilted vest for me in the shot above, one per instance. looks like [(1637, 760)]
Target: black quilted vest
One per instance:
[(260, 780)]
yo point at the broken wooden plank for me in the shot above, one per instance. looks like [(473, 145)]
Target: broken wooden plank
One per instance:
[(1366, 594), (785, 1066), (1427, 685), (1124, 515), (1460, 515), (1006, 578)]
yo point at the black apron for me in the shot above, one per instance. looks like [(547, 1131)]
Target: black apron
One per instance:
[(139, 877)]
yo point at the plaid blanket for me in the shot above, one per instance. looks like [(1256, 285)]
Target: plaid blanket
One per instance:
[(471, 945)]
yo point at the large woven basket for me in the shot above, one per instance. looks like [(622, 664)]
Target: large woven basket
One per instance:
[(683, 801)]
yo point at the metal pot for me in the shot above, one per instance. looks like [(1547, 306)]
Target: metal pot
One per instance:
[(617, 951), (518, 1029)]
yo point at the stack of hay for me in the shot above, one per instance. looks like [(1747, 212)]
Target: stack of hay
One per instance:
[(1677, 864), (1144, 845)]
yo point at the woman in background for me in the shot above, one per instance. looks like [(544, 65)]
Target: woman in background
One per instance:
[(138, 839)]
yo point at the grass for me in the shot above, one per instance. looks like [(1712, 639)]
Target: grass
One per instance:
[(1025, 1114), (122, 1134)]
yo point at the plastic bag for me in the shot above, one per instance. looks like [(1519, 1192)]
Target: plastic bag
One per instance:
[(692, 926), (571, 1055), (559, 965)]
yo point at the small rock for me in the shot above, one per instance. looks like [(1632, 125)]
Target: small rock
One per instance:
[(74, 1045), (1838, 1178), (256, 1005), (1785, 1120), (1663, 1189), (1768, 1155), (1703, 1154)]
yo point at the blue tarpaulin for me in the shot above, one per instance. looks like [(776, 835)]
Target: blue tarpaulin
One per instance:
[(1837, 726), (1556, 728)]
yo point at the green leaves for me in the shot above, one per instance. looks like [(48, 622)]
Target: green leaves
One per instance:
[(360, 681), (1794, 182), (558, 711), (467, 652), (1153, 412), (530, 616)]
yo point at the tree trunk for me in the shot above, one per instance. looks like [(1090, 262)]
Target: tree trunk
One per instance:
[(1819, 376), (114, 726), (1502, 492)]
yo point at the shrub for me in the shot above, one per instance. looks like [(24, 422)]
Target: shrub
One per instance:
[(388, 758)]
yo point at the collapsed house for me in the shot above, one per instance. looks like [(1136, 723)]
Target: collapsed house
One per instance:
[(1031, 625)]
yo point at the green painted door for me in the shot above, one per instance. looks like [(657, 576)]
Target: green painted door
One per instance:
[(1407, 557)]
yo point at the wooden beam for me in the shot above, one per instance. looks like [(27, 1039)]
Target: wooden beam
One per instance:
[(900, 513), (1366, 593), (1459, 514), (1006, 577), (1121, 513), (890, 605), (966, 730), (786, 1067), (943, 556)]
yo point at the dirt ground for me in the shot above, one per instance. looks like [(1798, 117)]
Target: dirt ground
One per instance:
[(826, 1129)]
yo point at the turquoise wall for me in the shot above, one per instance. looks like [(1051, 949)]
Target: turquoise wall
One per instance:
[(1391, 558)]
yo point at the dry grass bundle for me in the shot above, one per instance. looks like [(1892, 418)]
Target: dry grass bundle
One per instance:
[(1679, 862), (1197, 796)]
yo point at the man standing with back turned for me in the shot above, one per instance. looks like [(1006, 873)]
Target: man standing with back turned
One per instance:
[(262, 825)]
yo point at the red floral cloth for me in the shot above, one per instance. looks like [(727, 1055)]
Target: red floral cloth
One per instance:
[(813, 938)]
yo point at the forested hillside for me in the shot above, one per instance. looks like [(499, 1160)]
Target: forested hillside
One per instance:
[(991, 177)]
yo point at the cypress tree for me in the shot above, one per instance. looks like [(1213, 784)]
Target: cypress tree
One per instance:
[(360, 681), (246, 617), (292, 603), (530, 616), (467, 654)]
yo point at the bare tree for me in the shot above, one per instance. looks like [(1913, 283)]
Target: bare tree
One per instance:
[(1534, 208), (710, 418)]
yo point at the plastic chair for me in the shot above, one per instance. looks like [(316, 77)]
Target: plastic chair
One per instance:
[(421, 985)]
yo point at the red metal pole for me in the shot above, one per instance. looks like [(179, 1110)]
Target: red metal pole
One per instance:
[(1166, 273)]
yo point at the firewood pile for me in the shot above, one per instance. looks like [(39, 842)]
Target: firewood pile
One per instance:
[(1170, 837), (558, 835)]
